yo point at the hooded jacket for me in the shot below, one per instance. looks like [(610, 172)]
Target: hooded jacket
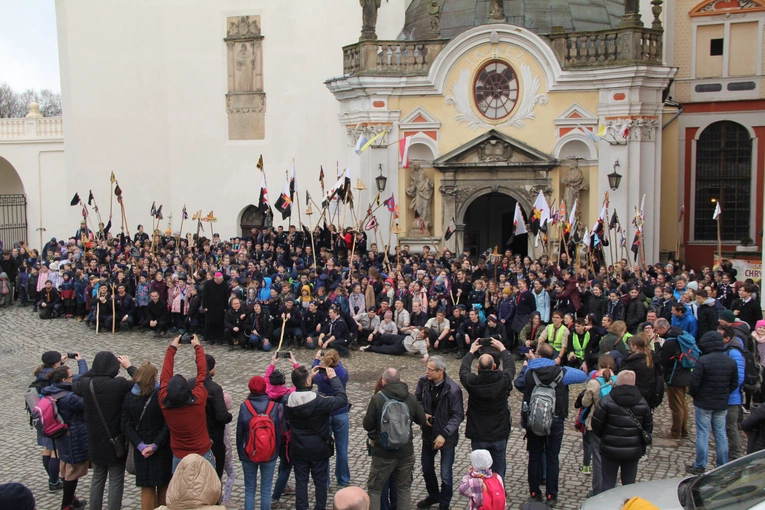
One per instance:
[(395, 391), (715, 375), (707, 317), (488, 413), (72, 447), (308, 415), (547, 371), (645, 376), (447, 413), (619, 434), (110, 391), (194, 486), (754, 426), (675, 374), (687, 322), (734, 350), (260, 404)]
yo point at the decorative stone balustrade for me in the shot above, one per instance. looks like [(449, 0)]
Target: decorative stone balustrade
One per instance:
[(616, 47), (398, 58), (31, 127)]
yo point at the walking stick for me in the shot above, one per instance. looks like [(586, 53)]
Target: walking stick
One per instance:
[(98, 313), (114, 312), (281, 337)]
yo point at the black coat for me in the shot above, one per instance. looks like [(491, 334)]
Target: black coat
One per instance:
[(72, 447), (526, 305), (488, 415), (110, 391), (635, 314), (448, 414), (754, 426), (645, 377), (748, 312), (233, 319), (155, 470), (157, 311), (217, 414), (215, 300), (715, 375), (308, 416), (706, 316), (619, 434), (596, 305), (674, 372)]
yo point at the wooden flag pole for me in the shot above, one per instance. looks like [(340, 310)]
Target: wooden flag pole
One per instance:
[(719, 238), (114, 312), (180, 231), (679, 237), (98, 311)]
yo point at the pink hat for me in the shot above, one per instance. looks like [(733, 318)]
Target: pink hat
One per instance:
[(759, 323), (218, 274)]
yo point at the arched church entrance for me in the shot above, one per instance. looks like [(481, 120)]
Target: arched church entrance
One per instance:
[(251, 217), (13, 206), (489, 222)]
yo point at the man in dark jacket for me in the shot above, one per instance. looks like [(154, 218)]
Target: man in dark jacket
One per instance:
[(488, 414), (291, 320), (234, 323), (217, 416), (706, 313), (214, 300), (469, 331), (157, 316), (635, 311), (385, 462), (100, 388), (50, 302), (620, 435), (746, 308), (677, 378), (441, 400), (335, 334), (713, 379), (546, 371), (310, 444)]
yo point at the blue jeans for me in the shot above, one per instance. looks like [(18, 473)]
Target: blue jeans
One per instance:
[(285, 468), (444, 496), (208, 457), (338, 425), (547, 448), (256, 341), (319, 471), (497, 450), (703, 420), (250, 470)]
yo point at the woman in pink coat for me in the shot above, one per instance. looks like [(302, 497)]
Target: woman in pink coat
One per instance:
[(179, 297)]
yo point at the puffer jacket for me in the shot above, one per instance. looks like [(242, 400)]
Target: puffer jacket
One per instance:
[(619, 434), (308, 415), (706, 317), (645, 377), (635, 313), (754, 426), (488, 415), (72, 447), (110, 391), (448, 414), (194, 486), (715, 375), (260, 404)]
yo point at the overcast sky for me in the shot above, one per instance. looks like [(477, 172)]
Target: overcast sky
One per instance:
[(28, 45)]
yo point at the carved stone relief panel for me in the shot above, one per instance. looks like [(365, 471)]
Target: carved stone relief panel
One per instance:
[(245, 99)]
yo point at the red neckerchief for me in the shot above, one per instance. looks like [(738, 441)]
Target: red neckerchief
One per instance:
[(519, 296)]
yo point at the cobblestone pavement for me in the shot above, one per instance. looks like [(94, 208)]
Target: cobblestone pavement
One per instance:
[(24, 337)]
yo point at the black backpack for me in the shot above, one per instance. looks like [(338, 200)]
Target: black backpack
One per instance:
[(752, 369)]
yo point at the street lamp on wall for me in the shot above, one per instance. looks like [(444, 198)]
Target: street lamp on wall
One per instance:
[(381, 181), (614, 178)]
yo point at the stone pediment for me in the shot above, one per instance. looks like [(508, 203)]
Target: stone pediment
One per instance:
[(495, 149)]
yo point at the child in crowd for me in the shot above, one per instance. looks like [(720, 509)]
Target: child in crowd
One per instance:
[(483, 488), (229, 466)]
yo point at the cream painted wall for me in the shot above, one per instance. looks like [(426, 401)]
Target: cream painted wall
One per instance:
[(671, 186), (144, 86)]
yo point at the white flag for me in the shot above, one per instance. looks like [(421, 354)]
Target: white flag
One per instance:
[(718, 211), (519, 227), (544, 209), (586, 239)]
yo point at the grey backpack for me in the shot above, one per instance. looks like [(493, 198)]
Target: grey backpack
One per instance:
[(542, 406), (395, 424)]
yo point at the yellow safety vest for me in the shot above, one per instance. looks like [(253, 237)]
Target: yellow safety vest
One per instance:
[(557, 343), (580, 347)]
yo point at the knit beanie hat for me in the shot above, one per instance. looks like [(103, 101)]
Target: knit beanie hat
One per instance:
[(481, 460), (257, 385), (16, 496), (625, 378), (51, 357), (637, 503)]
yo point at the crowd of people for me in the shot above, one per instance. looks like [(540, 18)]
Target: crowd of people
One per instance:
[(630, 334)]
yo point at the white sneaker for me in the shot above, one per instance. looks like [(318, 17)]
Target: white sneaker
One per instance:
[(363, 348)]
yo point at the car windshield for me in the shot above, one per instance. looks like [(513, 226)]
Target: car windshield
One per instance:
[(738, 485)]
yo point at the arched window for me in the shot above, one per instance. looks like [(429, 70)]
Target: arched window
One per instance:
[(251, 217), (724, 173)]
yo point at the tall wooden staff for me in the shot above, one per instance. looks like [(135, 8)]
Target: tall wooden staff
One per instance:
[(183, 217), (112, 180), (98, 311), (718, 214), (98, 213), (679, 230), (309, 212), (114, 312)]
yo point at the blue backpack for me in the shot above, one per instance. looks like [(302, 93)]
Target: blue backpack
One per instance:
[(689, 351)]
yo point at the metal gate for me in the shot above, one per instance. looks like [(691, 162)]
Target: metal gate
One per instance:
[(13, 220)]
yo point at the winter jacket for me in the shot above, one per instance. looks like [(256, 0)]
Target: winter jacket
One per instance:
[(179, 299), (706, 317), (547, 371), (645, 376), (748, 311), (527, 335), (675, 374), (506, 311), (447, 413), (618, 432), (157, 311), (110, 391), (215, 410), (488, 413), (72, 447), (597, 305), (734, 350), (542, 304), (615, 310), (526, 304), (591, 396), (325, 388), (195, 486), (393, 391), (754, 426), (142, 292), (260, 403), (635, 313), (308, 415), (715, 375), (687, 322), (155, 470), (276, 392), (233, 319)]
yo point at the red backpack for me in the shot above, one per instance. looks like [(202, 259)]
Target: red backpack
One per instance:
[(493, 493), (261, 443), (49, 422)]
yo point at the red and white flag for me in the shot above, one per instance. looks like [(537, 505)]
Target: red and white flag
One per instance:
[(403, 150)]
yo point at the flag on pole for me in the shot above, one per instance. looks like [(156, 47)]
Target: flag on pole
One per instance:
[(90, 198), (540, 214), (153, 210), (586, 240), (403, 150), (624, 131), (361, 142), (84, 211), (367, 144), (284, 202), (341, 188), (159, 214), (263, 204), (602, 130), (371, 223), (599, 225), (118, 190), (614, 221), (307, 198), (635, 248), (449, 230), (391, 204), (112, 179), (519, 226), (572, 219), (260, 163), (681, 215), (718, 211), (75, 199), (293, 182), (184, 214), (377, 199)]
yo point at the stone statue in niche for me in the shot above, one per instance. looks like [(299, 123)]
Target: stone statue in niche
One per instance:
[(574, 182), (497, 14), (369, 19), (245, 64), (435, 19), (420, 190)]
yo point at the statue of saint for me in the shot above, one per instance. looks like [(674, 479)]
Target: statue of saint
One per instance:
[(435, 19), (421, 191), (573, 180), (244, 67), (497, 13), (369, 19)]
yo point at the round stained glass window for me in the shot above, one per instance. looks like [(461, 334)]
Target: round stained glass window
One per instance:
[(496, 90)]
